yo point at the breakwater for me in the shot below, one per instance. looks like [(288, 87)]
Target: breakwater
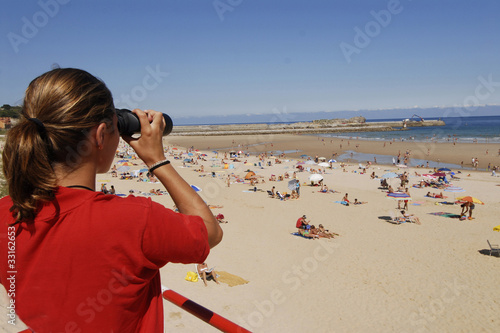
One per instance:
[(320, 126)]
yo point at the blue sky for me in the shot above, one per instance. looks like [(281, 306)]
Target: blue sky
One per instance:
[(192, 58)]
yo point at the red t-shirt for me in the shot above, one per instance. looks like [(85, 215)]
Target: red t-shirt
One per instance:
[(90, 262)]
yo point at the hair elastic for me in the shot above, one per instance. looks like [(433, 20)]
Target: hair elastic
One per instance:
[(40, 127)]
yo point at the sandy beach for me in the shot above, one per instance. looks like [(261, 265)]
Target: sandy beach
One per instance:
[(376, 276), (296, 145)]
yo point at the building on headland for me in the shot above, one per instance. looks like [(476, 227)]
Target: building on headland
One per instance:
[(5, 123)]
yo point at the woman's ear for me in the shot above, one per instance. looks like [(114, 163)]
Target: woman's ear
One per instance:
[(100, 134)]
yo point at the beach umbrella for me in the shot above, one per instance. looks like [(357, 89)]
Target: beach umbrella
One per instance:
[(196, 188), (250, 175), (497, 228), (304, 156), (143, 170), (390, 175), (454, 189), (127, 164), (443, 169), (122, 161), (292, 184), (332, 161), (426, 175), (324, 164), (402, 166), (315, 177), (190, 154), (310, 162), (123, 168), (203, 155), (470, 199), (187, 160), (399, 196)]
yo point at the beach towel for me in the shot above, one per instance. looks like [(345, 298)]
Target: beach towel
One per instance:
[(445, 214), (298, 234), (230, 279), (345, 203)]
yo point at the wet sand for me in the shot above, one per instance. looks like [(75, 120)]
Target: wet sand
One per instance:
[(296, 145)]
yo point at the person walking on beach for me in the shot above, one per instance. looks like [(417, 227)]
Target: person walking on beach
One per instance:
[(86, 261)]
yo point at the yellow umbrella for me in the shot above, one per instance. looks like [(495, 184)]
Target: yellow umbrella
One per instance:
[(470, 199), (497, 228)]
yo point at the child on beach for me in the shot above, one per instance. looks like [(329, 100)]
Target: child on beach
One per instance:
[(87, 245)]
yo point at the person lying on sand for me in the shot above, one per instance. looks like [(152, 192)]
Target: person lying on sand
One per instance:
[(356, 202), (435, 195), (317, 232), (326, 232)]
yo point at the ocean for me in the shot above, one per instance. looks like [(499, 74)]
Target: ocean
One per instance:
[(464, 129), (484, 129)]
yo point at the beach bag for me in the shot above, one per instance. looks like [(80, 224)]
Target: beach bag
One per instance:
[(192, 276)]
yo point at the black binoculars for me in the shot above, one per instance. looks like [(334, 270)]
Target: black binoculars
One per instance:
[(128, 123)]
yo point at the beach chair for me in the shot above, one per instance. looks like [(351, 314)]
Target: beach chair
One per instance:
[(270, 193), (280, 196), (400, 219), (494, 248)]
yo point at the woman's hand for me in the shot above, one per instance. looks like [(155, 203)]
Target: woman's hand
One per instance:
[(149, 146)]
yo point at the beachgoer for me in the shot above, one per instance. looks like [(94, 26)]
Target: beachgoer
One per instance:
[(303, 228), (465, 209), (317, 232), (206, 273), (302, 223), (407, 191), (471, 208), (90, 242), (410, 217), (326, 232), (356, 202), (346, 199)]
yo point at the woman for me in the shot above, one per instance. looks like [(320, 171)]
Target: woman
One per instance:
[(85, 261)]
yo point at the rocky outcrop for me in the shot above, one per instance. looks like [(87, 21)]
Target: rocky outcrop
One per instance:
[(355, 124)]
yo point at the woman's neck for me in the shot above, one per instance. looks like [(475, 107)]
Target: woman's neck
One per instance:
[(83, 176)]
